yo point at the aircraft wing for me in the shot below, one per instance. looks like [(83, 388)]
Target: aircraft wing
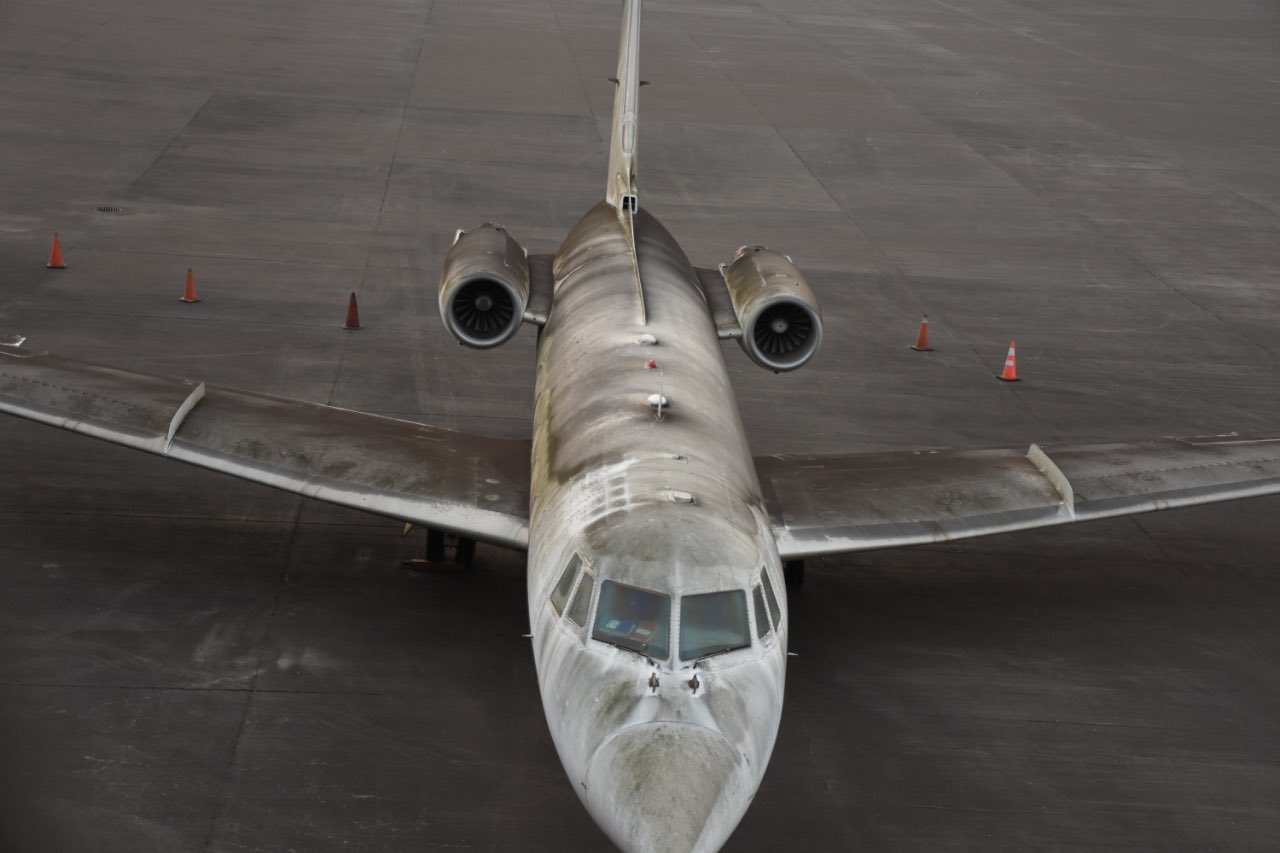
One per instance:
[(469, 485), (833, 503)]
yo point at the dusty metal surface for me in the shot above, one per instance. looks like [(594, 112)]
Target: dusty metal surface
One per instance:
[(605, 471), (833, 503), (412, 472), (484, 287), (776, 309)]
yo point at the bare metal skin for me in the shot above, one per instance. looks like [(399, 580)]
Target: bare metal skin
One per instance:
[(671, 768)]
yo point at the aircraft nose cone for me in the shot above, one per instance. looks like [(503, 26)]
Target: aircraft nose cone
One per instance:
[(670, 787)]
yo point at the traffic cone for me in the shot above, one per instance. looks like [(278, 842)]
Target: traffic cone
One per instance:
[(922, 337), (1010, 372), (189, 293), (55, 255), (353, 314)]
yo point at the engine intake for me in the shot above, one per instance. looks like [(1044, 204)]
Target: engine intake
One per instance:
[(779, 315), (484, 286)]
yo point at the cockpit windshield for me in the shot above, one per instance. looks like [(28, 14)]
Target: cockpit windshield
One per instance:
[(582, 600), (712, 623), (634, 618), (774, 610), (762, 616), (560, 594)]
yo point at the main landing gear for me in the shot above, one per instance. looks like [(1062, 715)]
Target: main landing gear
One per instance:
[(444, 549), (793, 573)]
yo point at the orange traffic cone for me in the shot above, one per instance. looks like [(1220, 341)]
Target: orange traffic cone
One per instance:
[(1010, 372), (55, 256), (922, 337), (189, 293), (353, 314)]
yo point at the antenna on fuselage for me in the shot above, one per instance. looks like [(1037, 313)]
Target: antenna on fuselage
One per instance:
[(621, 188)]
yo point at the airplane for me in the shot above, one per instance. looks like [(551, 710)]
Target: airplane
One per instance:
[(659, 549)]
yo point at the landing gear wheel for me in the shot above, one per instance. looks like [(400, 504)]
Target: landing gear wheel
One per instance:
[(435, 546), (439, 546), (793, 573)]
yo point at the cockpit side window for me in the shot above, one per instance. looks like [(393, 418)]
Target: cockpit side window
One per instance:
[(712, 623), (582, 600), (762, 616), (560, 594), (634, 618), (774, 610)]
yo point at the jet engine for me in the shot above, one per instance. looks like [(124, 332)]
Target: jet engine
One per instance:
[(779, 315), (484, 286)]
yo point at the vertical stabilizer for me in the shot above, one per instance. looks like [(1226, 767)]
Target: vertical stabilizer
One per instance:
[(621, 190)]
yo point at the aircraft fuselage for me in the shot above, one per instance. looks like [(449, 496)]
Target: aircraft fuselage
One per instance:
[(670, 505)]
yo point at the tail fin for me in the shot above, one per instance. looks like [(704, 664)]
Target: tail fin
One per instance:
[(621, 189)]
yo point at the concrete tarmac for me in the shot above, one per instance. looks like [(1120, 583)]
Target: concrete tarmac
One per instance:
[(188, 662)]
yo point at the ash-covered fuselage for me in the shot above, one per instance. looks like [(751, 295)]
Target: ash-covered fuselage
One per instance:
[(655, 590)]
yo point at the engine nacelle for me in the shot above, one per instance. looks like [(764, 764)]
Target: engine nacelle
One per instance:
[(779, 315), (484, 286)]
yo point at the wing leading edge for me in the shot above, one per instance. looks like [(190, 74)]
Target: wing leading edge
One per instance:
[(834, 503), (478, 487), (470, 485)]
